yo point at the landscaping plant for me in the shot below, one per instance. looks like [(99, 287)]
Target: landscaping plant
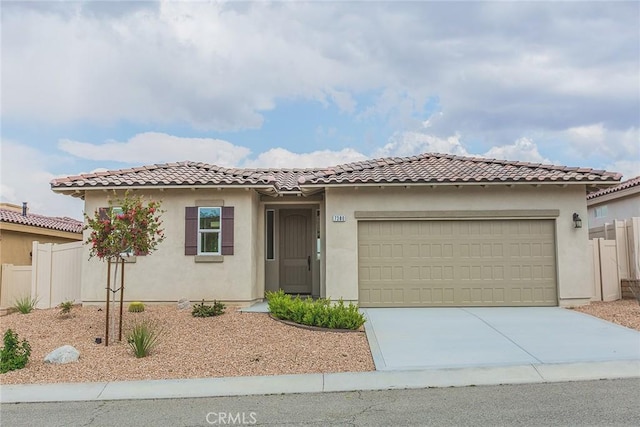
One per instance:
[(320, 312), (15, 354), (204, 310), (25, 304), (143, 338), (129, 226), (65, 308), (136, 307)]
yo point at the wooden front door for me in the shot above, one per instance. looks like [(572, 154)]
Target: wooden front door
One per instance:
[(295, 251)]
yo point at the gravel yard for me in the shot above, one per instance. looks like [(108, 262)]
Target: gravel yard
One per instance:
[(624, 312), (234, 344)]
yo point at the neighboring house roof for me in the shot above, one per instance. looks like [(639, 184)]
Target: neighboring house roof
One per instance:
[(630, 183), (53, 223), (424, 168)]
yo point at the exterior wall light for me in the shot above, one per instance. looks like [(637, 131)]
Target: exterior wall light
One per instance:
[(577, 222)]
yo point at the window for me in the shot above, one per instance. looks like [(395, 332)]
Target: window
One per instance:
[(209, 229), (202, 232), (601, 211), (270, 241)]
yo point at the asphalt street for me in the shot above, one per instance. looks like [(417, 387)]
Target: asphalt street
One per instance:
[(584, 403)]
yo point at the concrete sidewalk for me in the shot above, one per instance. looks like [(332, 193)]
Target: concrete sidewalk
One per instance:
[(316, 383)]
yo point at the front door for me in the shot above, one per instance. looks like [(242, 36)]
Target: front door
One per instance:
[(295, 250)]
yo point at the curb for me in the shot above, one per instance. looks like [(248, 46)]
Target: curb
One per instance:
[(318, 383)]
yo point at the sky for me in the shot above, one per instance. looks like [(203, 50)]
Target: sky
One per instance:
[(98, 85)]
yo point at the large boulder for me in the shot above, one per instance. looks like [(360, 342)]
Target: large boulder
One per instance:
[(184, 304), (64, 354)]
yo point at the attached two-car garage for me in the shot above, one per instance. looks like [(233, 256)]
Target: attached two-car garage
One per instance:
[(466, 262)]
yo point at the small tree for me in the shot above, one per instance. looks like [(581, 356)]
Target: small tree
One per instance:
[(127, 226)]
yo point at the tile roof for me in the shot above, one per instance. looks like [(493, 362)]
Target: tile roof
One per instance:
[(447, 168), (424, 168), (53, 223), (633, 182), (187, 174)]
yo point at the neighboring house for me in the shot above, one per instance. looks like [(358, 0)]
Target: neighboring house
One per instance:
[(427, 230), (19, 229), (614, 203)]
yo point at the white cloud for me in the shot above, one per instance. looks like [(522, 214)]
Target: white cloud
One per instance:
[(628, 168), (25, 178), (411, 143), (154, 147), (598, 141), (523, 149), (281, 158), (220, 65)]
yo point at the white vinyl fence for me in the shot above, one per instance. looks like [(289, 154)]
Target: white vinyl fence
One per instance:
[(615, 250), (54, 276)]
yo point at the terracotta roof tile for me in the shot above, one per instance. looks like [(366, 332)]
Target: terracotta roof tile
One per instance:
[(53, 223), (424, 168), (444, 168), (633, 182)]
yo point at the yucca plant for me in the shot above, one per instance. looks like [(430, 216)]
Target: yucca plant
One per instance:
[(143, 338), (25, 304)]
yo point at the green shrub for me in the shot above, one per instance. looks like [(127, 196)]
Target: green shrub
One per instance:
[(65, 308), (136, 307), (14, 355), (25, 304), (203, 310), (311, 312), (142, 338)]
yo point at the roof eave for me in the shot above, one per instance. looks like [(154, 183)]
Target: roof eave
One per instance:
[(594, 184)]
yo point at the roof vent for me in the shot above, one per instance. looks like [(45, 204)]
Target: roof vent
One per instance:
[(24, 209)]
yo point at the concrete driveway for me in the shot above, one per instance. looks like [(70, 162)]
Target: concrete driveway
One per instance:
[(417, 338)]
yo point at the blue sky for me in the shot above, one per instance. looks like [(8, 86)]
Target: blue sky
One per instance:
[(113, 84)]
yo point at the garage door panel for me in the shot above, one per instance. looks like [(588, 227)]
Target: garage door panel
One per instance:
[(452, 263)]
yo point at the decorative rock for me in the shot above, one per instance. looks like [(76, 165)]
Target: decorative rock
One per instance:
[(184, 304), (64, 354)]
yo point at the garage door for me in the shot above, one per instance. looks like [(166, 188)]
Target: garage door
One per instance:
[(456, 263)]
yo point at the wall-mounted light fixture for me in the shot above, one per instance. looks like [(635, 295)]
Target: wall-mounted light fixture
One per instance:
[(577, 222)]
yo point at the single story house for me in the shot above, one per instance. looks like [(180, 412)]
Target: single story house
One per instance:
[(19, 228), (619, 202), (427, 230)]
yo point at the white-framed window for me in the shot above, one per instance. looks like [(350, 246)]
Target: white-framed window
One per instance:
[(209, 229), (601, 211)]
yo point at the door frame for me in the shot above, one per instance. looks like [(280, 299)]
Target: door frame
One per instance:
[(272, 272)]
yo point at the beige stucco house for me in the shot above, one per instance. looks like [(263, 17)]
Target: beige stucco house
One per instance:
[(614, 203), (427, 230)]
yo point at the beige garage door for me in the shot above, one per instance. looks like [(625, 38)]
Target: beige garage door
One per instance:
[(456, 263)]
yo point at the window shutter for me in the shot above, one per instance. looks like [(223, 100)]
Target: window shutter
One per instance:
[(191, 230), (103, 213), (227, 230)]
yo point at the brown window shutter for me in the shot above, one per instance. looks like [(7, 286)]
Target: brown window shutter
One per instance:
[(103, 213), (191, 230), (227, 230)]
